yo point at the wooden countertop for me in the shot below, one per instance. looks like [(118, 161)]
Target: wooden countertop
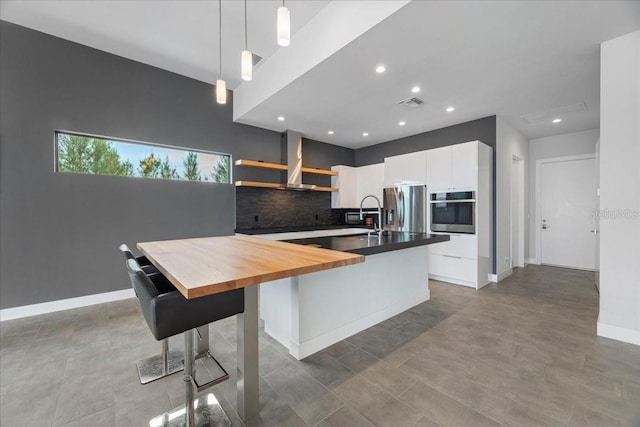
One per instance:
[(209, 265)]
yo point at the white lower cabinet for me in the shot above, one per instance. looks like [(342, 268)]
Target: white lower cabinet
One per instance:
[(450, 268), (456, 260)]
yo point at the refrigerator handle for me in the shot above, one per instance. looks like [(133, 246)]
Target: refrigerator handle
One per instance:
[(401, 208)]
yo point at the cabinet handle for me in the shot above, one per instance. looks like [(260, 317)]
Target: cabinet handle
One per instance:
[(451, 256)]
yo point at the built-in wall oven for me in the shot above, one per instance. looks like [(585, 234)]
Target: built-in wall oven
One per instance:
[(453, 212)]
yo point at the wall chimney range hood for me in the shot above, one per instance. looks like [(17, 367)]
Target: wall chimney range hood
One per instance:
[(291, 148), (294, 163)]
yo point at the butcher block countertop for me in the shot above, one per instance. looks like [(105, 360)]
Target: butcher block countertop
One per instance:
[(210, 265)]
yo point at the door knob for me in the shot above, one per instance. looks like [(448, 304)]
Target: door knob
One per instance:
[(594, 231), (545, 226)]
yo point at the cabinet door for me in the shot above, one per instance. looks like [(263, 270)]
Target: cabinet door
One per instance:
[(464, 166), (345, 182), (393, 170), (404, 169), (439, 169), (369, 180), (415, 168)]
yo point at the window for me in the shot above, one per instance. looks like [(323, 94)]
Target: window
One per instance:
[(88, 154)]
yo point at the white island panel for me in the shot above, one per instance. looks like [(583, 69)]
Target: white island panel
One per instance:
[(311, 312)]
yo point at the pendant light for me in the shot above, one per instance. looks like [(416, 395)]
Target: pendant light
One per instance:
[(246, 64), (284, 26), (221, 85)]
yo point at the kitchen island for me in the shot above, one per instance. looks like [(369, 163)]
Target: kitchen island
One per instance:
[(311, 312)]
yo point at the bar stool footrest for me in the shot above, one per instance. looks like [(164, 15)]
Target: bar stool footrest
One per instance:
[(151, 368), (209, 372), (207, 413)]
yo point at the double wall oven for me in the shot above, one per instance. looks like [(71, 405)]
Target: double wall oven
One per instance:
[(453, 212)]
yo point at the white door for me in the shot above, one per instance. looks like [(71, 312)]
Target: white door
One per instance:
[(596, 218), (567, 191)]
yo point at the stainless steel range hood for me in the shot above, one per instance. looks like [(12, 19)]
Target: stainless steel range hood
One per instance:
[(294, 163)]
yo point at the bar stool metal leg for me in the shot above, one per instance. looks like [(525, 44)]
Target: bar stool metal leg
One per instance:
[(203, 411)]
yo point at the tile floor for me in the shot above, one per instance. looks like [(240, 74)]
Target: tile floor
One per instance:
[(521, 353)]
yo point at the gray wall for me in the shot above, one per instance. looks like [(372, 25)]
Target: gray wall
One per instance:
[(481, 129), (60, 232)]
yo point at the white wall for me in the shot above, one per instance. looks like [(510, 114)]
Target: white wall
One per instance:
[(620, 189), (509, 143), (569, 144)]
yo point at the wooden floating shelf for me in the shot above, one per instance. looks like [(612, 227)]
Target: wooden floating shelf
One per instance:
[(264, 165), (277, 186), (277, 166)]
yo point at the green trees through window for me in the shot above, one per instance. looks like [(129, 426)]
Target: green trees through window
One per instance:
[(91, 155)]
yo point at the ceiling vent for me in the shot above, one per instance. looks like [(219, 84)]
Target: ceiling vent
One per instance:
[(414, 102), (542, 116)]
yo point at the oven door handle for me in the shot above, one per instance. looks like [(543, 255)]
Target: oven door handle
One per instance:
[(453, 201)]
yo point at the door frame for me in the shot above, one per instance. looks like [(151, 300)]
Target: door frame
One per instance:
[(518, 163), (538, 206)]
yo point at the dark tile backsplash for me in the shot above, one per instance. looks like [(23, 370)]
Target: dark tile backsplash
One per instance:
[(269, 208)]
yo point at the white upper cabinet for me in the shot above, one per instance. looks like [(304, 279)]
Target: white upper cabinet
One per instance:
[(464, 166), (439, 169), (355, 183), (406, 169), (453, 168), (369, 180), (345, 182)]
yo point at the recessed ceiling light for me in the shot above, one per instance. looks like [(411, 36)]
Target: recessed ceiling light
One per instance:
[(558, 120), (331, 132), (365, 133), (415, 89), (401, 123), (381, 69), (450, 109), (281, 118)]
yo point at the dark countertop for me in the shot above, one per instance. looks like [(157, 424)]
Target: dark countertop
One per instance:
[(363, 245), (254, 231)]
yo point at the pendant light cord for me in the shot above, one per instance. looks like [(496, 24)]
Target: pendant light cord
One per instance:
[(220, 37), (245, 26)]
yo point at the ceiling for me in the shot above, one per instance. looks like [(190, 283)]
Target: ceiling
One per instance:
[(482, 57), (179, 36)]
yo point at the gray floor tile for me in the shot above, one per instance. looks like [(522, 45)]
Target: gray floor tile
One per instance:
[(306, 396), (522, 352)]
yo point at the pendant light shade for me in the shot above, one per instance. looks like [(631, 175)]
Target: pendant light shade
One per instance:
[(221, 85), (246, 65), (221, 91), (284, 26)]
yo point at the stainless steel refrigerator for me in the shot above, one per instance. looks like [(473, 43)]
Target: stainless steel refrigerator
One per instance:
[(405, 208)]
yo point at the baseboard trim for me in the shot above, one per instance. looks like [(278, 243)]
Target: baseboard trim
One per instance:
[(532, 261), (619, 334), (453, 281), (315, 344), (64, 304), (495, 278)]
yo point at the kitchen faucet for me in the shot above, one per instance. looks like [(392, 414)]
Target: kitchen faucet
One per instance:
[(376, 230)]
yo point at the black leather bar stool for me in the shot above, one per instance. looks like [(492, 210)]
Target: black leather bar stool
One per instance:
[(170, 313), (168, 362)]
